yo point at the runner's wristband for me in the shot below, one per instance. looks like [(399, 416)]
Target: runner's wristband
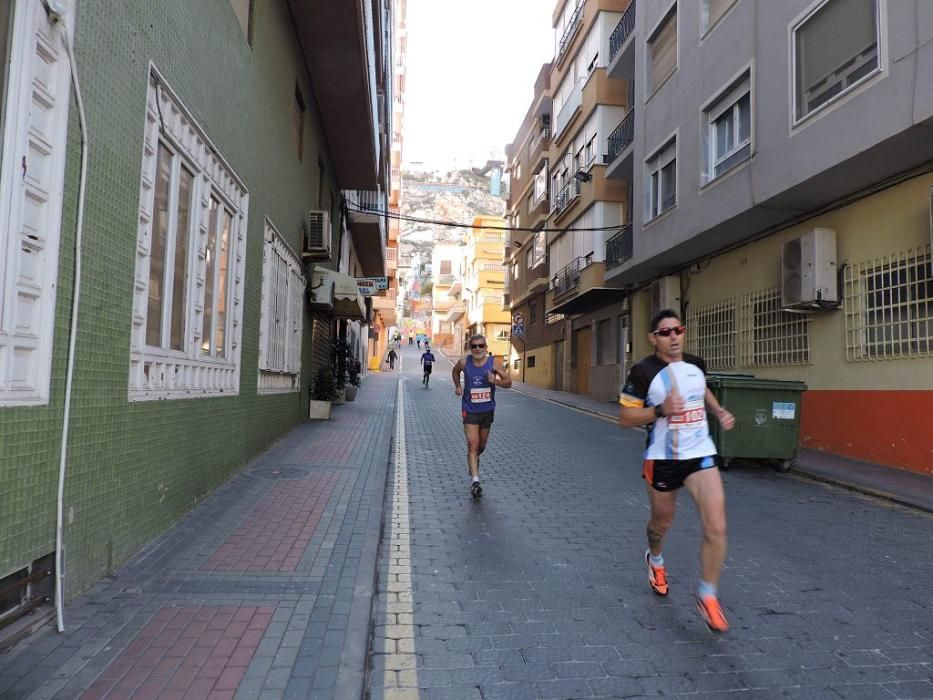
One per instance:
[(659, 410)]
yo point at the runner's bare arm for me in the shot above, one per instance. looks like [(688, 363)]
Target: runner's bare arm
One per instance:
[(726, 419), (455, 373), (502, 379), (632, 417)]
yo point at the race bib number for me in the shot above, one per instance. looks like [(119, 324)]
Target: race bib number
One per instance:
[(692, 417), (480, 395)]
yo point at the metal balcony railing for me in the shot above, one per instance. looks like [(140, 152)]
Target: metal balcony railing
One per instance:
[(622, 31), (622, 136), (620, 247), (366, 201), (445, 280), (567, 194), (569, 276), (570, 30)]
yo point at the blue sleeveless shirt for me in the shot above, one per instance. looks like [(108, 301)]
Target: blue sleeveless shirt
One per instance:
[(479, 396)]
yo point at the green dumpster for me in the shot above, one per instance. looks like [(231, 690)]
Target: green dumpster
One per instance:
[(767, 419)]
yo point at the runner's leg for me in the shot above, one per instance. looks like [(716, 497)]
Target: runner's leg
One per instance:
[(706, 488), (663, 504), (472, 434)]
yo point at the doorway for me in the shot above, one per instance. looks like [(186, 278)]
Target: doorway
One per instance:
[(583, 361)]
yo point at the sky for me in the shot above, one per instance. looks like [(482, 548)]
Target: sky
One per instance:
[(470, 76)]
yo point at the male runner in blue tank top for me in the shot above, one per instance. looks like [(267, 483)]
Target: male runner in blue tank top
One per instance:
[(479, 402)]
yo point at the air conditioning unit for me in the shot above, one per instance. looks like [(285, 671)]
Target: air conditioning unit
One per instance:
[(665, 294), (808, 271), (317, 235)]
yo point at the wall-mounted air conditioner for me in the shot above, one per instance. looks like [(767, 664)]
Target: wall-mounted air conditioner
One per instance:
[(665, 294), (317, 235), (808, 271)]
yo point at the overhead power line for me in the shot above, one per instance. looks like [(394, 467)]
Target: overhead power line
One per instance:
[(454, 224)]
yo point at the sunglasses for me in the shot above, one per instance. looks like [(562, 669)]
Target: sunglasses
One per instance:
[(665, 332), (477, 347)]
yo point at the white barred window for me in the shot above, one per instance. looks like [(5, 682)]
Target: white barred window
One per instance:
[(33, 132), (889, 307), (770, 336), (711, 333), (283, 286), (190, 260)]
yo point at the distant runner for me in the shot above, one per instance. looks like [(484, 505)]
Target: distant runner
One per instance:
[(479, 402), (427, 361), (667, 392)]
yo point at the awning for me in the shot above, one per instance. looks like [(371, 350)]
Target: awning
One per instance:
[(337, 292)]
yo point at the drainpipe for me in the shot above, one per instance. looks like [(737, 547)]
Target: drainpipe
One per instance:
[(56, 11)]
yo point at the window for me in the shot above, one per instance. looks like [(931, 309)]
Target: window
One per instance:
[(771, 336), (711, 333), (185, 339), (662, 51), (280, 324), (445, 267), (531, 362), (530, 257), (728, 130), (298, 123), (244, 15), (33, 140), (835, 48), (589, 151), (540, 189), (889, 307), (605, 343), (711, 11), (540, 248), (662, 181), (514, 271)]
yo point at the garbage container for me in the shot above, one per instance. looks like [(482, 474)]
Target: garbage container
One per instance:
[(767, 419)]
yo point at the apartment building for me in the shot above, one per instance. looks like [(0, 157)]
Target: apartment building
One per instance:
[(566, 190), (782, 179), (483, 284), (446, 261), (223, 221)]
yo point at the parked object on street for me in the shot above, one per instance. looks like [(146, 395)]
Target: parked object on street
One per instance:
[(767, 419)]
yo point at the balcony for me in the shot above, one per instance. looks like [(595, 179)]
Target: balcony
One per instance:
[(620, 247), (445, 280), (367, 224), (345, 89), (573, 26), (622, 46), (567, 194), (391, 260), (579, 288), (619, 158)]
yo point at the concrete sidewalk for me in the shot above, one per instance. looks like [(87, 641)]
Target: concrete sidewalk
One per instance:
[(897, 485), (264, 590)]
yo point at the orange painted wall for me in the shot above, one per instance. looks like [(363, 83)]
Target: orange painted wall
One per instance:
[(886, 427)]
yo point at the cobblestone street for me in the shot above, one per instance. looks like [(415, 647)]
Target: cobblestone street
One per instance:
[(278, 583), (538, 590)]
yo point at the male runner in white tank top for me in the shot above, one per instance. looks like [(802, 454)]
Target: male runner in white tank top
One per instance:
[(667, 393)]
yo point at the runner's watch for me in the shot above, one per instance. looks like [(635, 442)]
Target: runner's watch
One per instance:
[(659, 410)]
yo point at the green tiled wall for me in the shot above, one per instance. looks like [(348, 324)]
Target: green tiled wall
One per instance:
[(135, 468)]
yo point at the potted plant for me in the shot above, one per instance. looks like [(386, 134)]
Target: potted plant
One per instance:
[(346, 369), (353, 379), (323, 392)]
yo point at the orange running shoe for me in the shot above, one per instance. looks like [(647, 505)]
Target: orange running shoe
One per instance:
[(657, 576), (711, 612)]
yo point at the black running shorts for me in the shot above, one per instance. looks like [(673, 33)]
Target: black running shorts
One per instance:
[(669, 474), (483, 420), (427, 369)]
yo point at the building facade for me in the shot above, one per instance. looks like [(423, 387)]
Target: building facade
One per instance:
[(483, 284), (222, 221), (780, 199)]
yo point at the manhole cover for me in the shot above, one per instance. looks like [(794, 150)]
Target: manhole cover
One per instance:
[(280, 473)]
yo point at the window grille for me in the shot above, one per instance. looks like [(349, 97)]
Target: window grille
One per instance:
[(889, 307), (605, 342), (711, 333), (770, 336), (551, 318)]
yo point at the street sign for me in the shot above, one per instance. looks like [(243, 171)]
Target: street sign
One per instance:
[(368, 286), (518, 329), (518, 319)]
